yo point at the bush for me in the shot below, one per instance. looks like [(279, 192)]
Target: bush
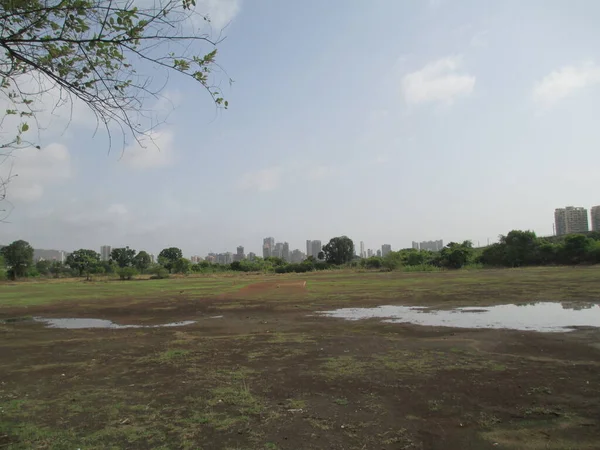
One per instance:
[(159, 272), (126, 273)]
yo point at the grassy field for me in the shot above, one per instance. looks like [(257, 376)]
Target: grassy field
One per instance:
[(258, 370)]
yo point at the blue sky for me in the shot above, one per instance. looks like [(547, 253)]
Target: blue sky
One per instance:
[(386, 121)]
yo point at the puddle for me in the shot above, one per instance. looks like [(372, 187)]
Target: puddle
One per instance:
[(545, 316), (101, 323)]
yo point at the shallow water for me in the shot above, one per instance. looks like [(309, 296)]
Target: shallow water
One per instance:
[(543, 316), (76, 323)]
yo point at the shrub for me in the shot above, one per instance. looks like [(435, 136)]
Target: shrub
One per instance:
[(126, 273), (159, 272)]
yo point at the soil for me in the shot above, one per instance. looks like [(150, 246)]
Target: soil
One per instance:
[(259, 371)]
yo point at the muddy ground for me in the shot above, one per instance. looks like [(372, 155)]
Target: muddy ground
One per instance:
[(259, 371)]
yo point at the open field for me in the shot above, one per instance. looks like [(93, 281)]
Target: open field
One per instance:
[(258, 370)]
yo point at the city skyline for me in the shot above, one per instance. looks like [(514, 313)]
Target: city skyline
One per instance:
[(464, 106)]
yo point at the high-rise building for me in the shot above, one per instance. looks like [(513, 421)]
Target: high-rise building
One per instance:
[(239, 255), (278, 250), (362, 249), (286, 252), (369, 253), (308, 248), (315, 248), (379, 253), (268, 244), (385, 249), (572, 219), (432, 246), (105, 252), (251, 256), (596, 218)]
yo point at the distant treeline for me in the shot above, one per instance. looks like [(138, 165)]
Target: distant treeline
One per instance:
[(516, 249)]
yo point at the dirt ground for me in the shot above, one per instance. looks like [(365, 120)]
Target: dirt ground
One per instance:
[(258, 370)]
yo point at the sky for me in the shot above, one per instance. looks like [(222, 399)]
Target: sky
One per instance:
[(385, 121)]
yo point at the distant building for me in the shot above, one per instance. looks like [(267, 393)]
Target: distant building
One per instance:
[(239, 255), (196, 259), (370, 253), (315, 248), (385, 249), (308, 248), (224, 258), (286, 252), (432, 246), (152, 258), (211, 258), (49, 255), (596, 218), (278, 250), (362, 249), (379, 253), (268, 246), (105, 252), (251, 256), (572, 219), (297, 256)]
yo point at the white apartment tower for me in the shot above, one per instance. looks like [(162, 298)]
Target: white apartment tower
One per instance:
[(105, 252), (596, 218), (572, 219)]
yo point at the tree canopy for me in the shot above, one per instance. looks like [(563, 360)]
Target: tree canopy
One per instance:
[(84, 261), (169, 256), (142, 261), (91, 50), (107, 55), (339, 250), (123, 257), (18, 256)]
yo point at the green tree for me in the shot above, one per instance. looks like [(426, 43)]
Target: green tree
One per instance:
[(142, 261), (18, 257), (168, 256), (576, 249), (84, 261), (93, 50), (57, 269), (182, 265), (455, 256), (520, 248), (123, 257), (339, 250), (43, 267)]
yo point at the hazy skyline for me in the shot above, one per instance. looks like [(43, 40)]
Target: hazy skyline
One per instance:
[(388, 122)]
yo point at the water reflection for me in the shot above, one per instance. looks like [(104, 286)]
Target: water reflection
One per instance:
[(100, 323), (543, 316)]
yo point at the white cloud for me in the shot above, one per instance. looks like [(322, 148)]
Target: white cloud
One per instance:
[(565, 81), (263, 180), (154, 150), (32, 169), (438, 81)]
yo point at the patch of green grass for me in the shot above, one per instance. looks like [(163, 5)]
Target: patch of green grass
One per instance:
[(343, 367), (238, 397), (341, 401), (435, 405), (173, 354), (295, 403)]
